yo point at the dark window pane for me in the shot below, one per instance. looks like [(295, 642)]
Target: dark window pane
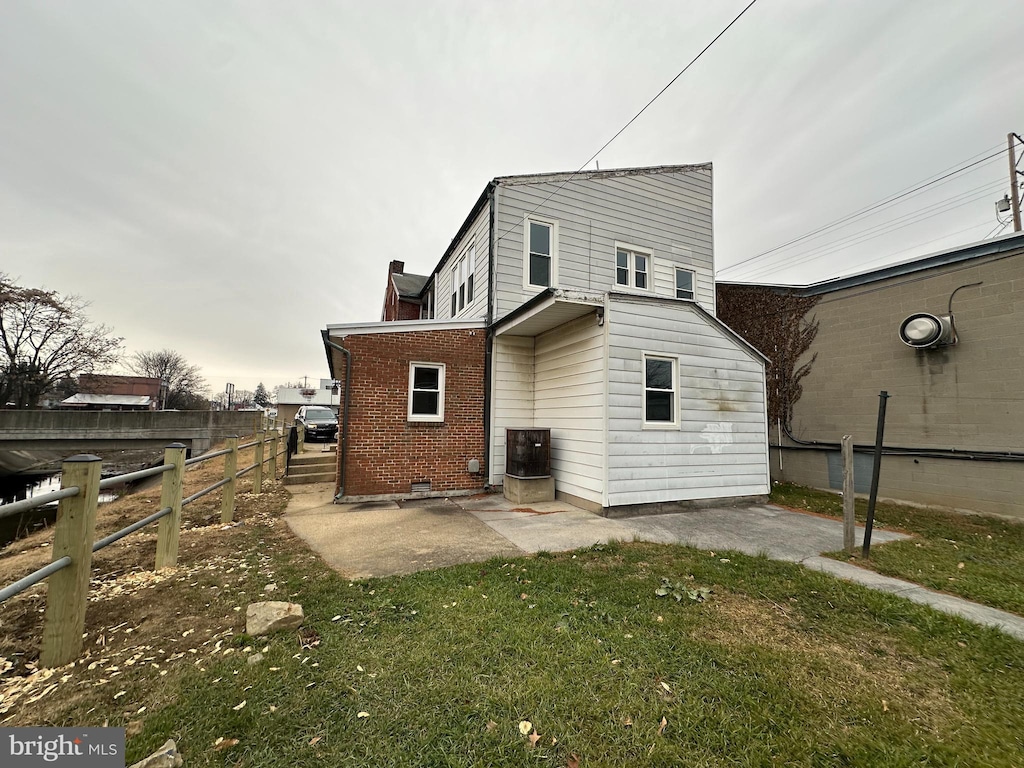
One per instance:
[(540, 240), (659, 406), (684, 280), (462, 296), (425, 378), (469, 298), (641, 263), (453, 305), (622, 276), (540, 269), (622, 259), (659, 374), (424, 403), (641, 279)]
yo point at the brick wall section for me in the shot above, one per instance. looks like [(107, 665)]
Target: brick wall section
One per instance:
[(103, 384), (386, 452)]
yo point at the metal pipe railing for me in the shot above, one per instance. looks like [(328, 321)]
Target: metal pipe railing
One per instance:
[(33, 578), (131, 477), (106, 542), (38, 501), (200, 494)]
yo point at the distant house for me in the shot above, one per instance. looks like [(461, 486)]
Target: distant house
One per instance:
[(582, 303), (955, 418), (100, 392), (402, 295)]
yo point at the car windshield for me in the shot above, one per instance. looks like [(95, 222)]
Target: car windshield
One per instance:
[(319, 413)]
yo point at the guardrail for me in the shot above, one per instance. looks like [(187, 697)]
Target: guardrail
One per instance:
[(73, 545)]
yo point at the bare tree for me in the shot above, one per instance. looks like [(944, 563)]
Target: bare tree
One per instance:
[(185, 386), (47, 338)]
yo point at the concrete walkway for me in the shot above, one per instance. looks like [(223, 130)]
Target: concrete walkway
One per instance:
[(390, 538)]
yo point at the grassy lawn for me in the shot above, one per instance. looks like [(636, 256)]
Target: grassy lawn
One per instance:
[(975, 557), (779, 666)]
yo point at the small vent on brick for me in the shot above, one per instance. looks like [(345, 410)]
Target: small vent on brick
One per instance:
[(420, 487)]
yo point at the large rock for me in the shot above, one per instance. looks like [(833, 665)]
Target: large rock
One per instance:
[(165, 757), (271, 616)]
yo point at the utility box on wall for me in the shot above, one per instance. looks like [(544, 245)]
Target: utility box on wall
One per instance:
[(528, 466)]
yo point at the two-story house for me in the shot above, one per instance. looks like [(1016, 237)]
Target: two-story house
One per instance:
[(584, 303)]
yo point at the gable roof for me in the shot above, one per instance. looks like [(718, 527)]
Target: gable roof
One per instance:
[(409, 286)]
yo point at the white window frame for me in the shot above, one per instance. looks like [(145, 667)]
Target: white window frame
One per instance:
[(427, 417), (674, 424), (553, 270), (693, 283), (632, 251)]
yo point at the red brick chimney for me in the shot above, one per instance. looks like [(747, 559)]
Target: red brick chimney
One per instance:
[(396, 268)]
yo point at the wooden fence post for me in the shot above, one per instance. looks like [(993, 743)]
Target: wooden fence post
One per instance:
[(302, 437), (68, 589), (274, 446), (257, 481), (849, 520), (227, 499), (170, 496)]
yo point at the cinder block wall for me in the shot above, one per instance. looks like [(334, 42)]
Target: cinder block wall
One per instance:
[(386, 452), (967, 396)]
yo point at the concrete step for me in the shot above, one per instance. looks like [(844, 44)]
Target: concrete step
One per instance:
[(310, 477), (314, 460)]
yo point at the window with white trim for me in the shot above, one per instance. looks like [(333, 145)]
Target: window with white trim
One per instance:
[(684, 283), (661, 410), (426, 391), (462, 280), (540, 254), (632, 268)]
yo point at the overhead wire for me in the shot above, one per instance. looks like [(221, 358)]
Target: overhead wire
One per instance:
[(631, 120), (934, 179)]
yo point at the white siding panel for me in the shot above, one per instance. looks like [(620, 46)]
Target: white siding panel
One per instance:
[(720, 448), (512, 395), (569, 398), (668, 214)]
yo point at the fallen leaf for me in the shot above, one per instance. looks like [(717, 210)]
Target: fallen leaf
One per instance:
[(223, 743), (627, 721), (315, 740), (960, 566), (665, 686), (361, 715), (885, 705), (573, 761), (534, 738), (239, 706), (358, 668), (553, 741), (661, 728), (491, 725), (525, 726)]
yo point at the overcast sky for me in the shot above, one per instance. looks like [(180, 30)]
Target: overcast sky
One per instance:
[(226, 179)]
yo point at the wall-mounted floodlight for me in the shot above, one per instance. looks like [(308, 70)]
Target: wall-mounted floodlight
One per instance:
[(1003, 205), (924, 331)]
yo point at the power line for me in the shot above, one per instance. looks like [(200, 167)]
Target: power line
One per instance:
[(948, 173), (631, 120), (884, 228)]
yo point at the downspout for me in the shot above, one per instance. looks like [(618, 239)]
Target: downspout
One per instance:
[(489, 343), (344, 419)]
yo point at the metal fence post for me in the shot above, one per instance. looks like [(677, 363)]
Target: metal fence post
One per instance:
[(170, 496), (257, 481), (68, 589), (274, 446), (227, 500)]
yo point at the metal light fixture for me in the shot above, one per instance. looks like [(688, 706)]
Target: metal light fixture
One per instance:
[(1003, 205)]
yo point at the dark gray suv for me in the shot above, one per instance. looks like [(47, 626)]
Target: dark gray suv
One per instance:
[(318, 421)]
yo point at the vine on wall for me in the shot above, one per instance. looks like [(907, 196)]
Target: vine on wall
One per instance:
[(775, 322)]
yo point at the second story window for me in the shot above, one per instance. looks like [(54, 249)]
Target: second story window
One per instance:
[(684, 284), (462, 281), (540, 252), (632, 268)]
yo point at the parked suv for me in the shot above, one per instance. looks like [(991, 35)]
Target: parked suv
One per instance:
[(319, 422)]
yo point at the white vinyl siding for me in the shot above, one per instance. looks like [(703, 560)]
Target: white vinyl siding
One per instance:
[(477, 236), (719, 447), (667, 215), (569, 394), (511, 393)]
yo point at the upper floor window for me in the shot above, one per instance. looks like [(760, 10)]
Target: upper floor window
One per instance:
[(684, 284), (462, 280), (632, 268), (427, 305), (426, 392), (540, 255), (660, 387)]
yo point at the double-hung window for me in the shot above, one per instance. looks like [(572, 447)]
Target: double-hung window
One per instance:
[(540, 254), (632, 268), (426, 391), (661, 409), (462, 280), (684, 283)]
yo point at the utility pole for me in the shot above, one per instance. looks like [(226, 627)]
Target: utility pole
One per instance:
[(1014, 196)]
